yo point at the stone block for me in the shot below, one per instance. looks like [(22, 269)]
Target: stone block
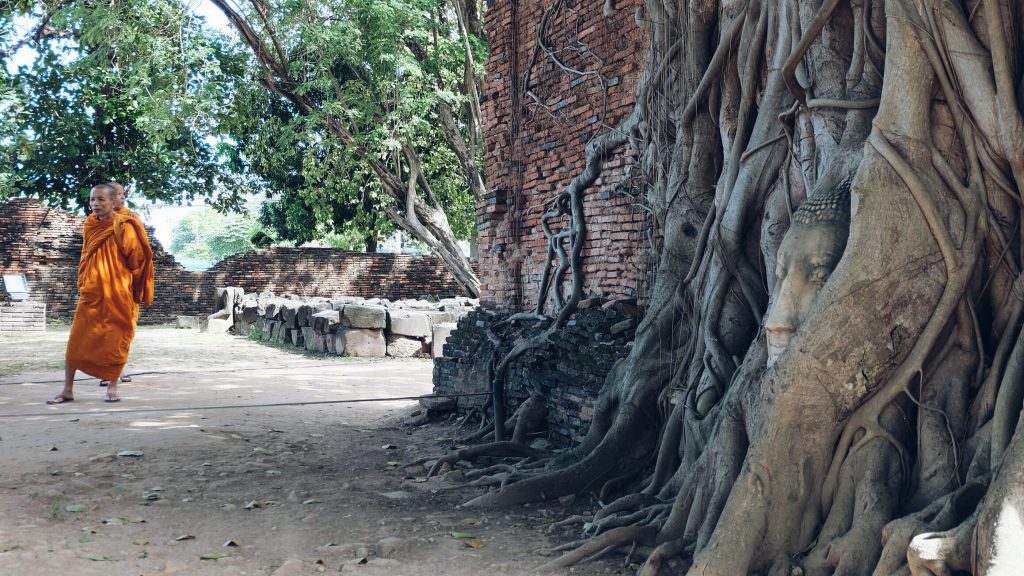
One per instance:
[(330, 344), (326, 322), (272, 309), (296, 337), (217, 323), (440, 334), (360, 316), (314, 341), (290, 313), (409, 323), (360, 342), (250, 311), (188, 322), (268, 328), (446, 317), (310, 309), (402, 347), (282, 336)]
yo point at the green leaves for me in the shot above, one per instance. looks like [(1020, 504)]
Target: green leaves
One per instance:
[(126, 91)]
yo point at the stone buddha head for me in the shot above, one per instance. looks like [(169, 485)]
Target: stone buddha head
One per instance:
[(809, 252)]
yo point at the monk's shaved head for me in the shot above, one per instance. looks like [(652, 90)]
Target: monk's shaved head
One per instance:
[(115, 191)]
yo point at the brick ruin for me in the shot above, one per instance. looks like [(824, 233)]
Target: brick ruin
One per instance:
[(44, 244), (558, 75), (538, 117)]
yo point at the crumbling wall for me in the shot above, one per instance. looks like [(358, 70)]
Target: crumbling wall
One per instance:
[(45, 243)]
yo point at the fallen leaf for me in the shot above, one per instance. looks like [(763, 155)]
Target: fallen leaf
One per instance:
[(462, 535), (277, 431), (142, 542), (151, 496), (213, 556), (389, 447), (312, 501), (474, 544), (231, 544), (98, 558), (470, 521), (75, 508), (52, 449), (185, 537), (262, 450), (130, 454), (273, 472), (8, 546)]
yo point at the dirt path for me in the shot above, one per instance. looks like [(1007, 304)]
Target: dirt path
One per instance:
[(299, 489)]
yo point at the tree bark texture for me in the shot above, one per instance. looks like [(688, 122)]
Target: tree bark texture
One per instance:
[(886, 437)]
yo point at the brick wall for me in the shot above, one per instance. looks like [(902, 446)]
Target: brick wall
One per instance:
[(331, 273), (538, 118), (44, 244)]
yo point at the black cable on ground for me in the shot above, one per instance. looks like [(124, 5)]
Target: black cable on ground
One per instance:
[(57, 411)]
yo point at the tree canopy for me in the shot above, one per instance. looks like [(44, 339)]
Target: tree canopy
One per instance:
[(382, 110), (127, 91)]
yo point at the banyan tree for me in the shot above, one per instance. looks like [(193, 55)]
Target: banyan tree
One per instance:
[(829, 375)]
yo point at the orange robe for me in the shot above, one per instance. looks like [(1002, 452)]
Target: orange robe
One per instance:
[(115, 275)]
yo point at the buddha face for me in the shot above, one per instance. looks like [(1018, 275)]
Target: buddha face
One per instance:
[(808, 254)]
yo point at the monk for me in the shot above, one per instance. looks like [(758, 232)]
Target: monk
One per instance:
[(119, 208), (115, 276)]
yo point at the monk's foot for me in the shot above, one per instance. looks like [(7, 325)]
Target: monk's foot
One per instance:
[(104, 382), (112, 397), (60, 399), (123, 380), (126, 378)]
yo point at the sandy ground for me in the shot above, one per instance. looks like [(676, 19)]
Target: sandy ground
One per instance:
[(154, 484)]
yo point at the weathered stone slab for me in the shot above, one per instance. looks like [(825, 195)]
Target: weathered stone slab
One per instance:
[(314, 341), (290, 313), (409, 323), (250, 311), (282, 336), (360, 342), (272, 309), (330, 344), (296, 337), (217, 323), (360, 316), (402, 347), (268, 328), (188, 322), (445, 317), (326, 321), (440, 334)]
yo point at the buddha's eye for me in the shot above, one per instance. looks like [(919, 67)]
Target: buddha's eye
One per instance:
[(818, 275)]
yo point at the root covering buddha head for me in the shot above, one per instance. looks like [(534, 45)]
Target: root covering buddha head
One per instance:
[(809, 252)]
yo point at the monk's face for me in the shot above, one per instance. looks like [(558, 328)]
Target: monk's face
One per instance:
[(119, 201), (807, 256), (101, 202)]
